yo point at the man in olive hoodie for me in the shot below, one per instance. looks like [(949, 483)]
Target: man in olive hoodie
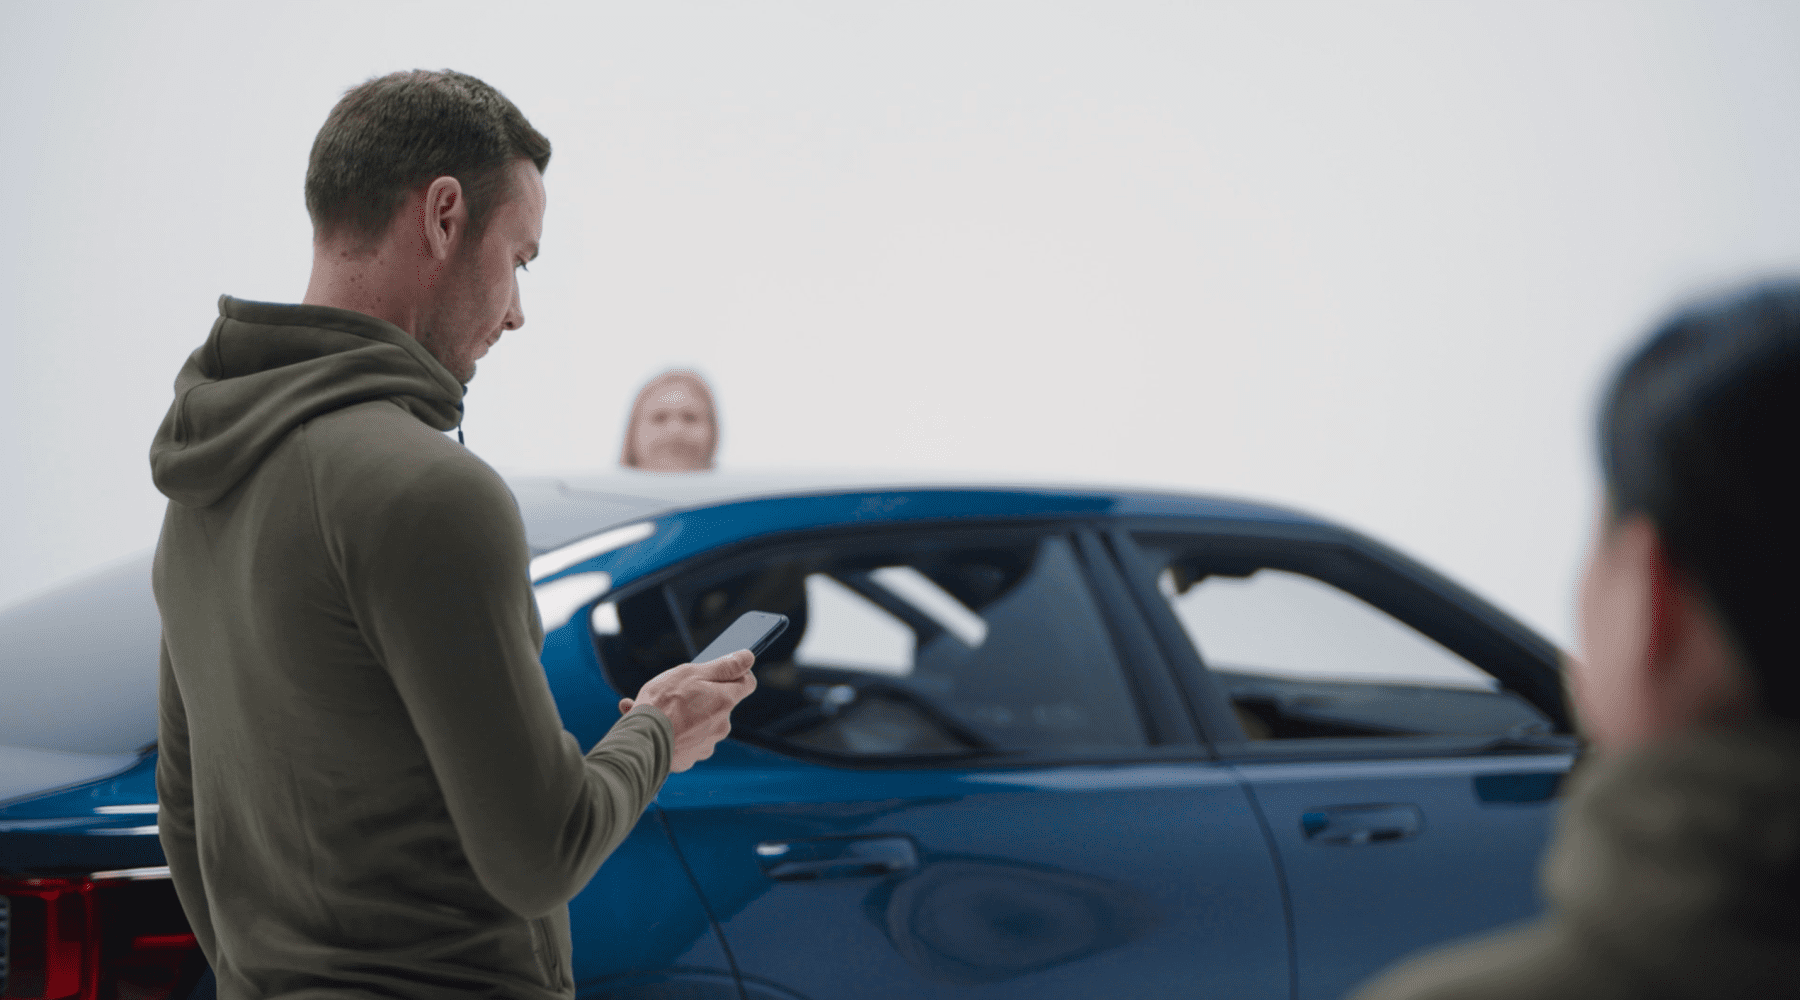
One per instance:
[(1675, 872), (365, 788)]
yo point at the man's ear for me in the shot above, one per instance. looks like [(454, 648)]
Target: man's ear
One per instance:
[(1694, 669), (1668, 612), (443, 222)]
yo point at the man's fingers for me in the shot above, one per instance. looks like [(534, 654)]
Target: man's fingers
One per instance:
[(729, 667), (625, 705), (733, 691)]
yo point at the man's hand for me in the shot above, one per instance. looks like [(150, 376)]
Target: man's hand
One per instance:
[(698, 698)]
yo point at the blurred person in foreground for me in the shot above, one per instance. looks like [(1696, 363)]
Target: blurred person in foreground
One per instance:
[(365, 789), (674, 426), (1675, 871)]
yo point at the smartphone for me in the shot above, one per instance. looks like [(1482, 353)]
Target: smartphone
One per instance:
[(754, 630)]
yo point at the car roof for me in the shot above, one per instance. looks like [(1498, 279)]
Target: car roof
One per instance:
[(558, 509)]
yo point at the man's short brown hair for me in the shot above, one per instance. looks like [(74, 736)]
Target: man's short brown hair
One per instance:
[(397, 133)]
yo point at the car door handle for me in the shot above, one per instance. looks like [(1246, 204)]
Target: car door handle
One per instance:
[(1524, 789), (1362, 824), (836, 857)]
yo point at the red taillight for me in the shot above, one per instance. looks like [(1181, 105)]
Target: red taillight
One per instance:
[(163, 942), (97, 939), (50, 924)]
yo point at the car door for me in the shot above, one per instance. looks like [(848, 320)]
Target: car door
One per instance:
[(1403, 740), (959, 776)]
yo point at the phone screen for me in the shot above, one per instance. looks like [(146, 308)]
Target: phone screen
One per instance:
[(754, 630)]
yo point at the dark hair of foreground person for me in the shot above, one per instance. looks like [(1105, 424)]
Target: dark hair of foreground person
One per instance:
[(1698, 432)]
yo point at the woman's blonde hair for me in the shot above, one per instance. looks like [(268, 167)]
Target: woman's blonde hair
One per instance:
[(675, 376)]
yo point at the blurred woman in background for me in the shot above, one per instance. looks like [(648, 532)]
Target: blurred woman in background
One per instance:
[(674, 426)]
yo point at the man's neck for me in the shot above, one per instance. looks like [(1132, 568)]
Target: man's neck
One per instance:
[(376, 283)]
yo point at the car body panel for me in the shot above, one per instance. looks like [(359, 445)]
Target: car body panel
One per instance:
[(28, 772), (1064, 881), (1448, 866), (641, 916), (96, 826)]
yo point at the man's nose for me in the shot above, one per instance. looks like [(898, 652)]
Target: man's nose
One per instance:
[(515, 314)]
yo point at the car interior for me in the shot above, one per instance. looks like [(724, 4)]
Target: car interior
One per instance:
[(1301, 655), (898, 650), (983, 643)]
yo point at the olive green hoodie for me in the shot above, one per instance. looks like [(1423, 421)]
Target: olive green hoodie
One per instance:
[(365, 787), (1675, 874)]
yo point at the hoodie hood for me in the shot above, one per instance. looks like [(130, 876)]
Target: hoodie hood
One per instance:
[(265, 370), (1682, 862)]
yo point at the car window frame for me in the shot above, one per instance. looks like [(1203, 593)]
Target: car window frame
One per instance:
[(1155, 696), (1473, 629)]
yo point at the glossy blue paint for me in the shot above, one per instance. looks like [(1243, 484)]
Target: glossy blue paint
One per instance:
[(640, 916), (588, 705), (136, 785), (1102, 880), (1518, 788), (66, 829), (1451, 867)]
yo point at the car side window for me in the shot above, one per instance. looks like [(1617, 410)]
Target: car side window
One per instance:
[(1299, 657), (910, 646)]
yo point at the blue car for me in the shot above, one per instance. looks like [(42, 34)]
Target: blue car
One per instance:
[(1017, 742)]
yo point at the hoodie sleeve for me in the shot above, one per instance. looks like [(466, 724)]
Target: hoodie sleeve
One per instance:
[(436, 575), (175, 804)]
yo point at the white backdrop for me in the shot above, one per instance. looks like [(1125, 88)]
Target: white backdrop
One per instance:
[(1368, 259)]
